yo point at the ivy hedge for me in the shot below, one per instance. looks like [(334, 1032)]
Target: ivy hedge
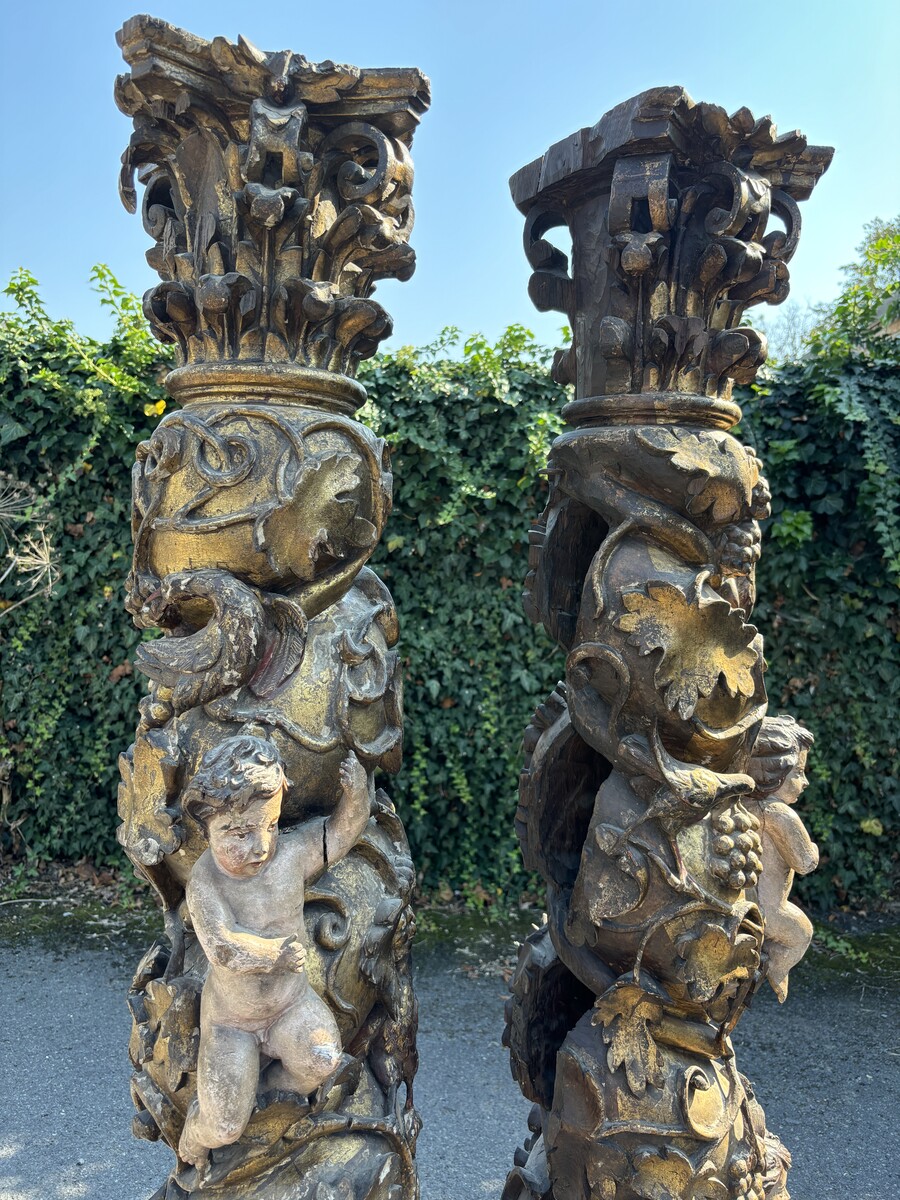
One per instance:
[(71, 413), (470, 426), (469, 438)]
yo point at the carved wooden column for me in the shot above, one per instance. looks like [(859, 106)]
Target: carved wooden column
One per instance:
[(655, 797), (277, 193)]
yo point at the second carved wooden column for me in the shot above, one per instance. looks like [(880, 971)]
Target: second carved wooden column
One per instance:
[(656, 798)]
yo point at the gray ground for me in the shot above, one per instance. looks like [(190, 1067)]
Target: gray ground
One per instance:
[(826, 1066)]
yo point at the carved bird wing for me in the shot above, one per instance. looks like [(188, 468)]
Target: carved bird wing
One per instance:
[(285, 643), (201, 665)]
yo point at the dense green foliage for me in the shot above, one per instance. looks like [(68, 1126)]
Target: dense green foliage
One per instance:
[(71, 412), (469, 441), (469, 434)]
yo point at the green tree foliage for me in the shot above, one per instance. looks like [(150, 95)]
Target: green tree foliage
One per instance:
[(469, 426)]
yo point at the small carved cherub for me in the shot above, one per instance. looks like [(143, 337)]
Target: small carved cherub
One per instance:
[(278, 128), (245, 899), (778, 766)]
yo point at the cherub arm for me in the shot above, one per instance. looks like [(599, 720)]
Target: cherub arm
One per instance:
[(226, 944), (790, 837), (322, 843)]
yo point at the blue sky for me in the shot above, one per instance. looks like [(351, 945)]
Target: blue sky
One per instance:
[(508, 79)]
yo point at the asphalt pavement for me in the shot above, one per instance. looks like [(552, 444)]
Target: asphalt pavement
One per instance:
[(826, 1067)]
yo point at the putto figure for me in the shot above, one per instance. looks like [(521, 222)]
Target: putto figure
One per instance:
[(779, 767), (277, 131), (245, 901)]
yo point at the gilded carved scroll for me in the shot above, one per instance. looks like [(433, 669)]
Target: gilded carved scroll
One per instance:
[(655, 800), (277, 193)]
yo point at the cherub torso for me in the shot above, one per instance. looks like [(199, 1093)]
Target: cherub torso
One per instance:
[(269, 905)]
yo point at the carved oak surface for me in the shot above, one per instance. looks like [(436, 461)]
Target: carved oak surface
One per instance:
[(649, 801)]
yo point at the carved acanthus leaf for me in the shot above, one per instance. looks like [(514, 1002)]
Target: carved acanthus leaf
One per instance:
[(706, 457), (664, 1173), (277, 193), (147, 795)]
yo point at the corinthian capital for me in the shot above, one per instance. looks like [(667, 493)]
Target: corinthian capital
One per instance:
[(669, 204), (277, 193)]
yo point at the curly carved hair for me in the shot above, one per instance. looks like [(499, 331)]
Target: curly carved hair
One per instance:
[(779, 744), (232, 775)]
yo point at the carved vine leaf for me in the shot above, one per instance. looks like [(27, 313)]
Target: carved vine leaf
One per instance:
[(318, 516), (628, 1017), (173, 1012), (618, 891), (708, 459), (711, 957), (704, 642), (667, 1174), (148, 768)]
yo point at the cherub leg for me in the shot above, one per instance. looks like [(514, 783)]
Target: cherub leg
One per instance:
[(788, 934), (227, 1075), (307, 1042)]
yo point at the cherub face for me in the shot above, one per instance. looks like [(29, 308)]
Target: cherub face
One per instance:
[(795, 783), (243, 842)]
